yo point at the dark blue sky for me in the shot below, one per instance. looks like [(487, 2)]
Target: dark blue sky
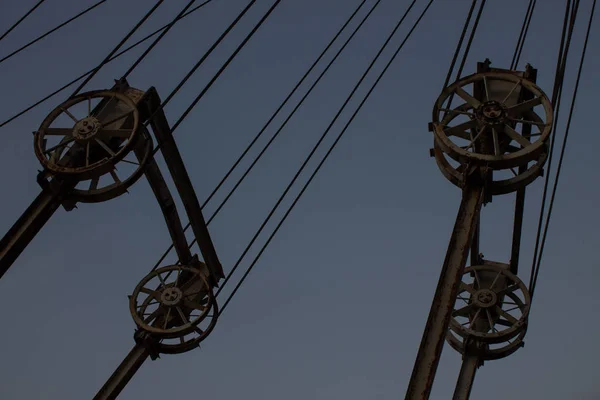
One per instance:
[(337, 305)]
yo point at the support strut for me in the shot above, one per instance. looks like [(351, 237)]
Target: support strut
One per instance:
[(176, 167), (432, 343), (466, 377), (123, 374), (30, 223)]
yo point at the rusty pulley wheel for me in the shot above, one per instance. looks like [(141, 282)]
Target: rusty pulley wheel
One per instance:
[(490, 351), (124, 174), (192, 340), (493, 307), (88, 134), (502, 181), (491, 131), (171, 302)]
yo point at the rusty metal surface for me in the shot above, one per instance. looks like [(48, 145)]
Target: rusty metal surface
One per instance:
[(504, 114), (176, 166), (524, 177), (432, 343)]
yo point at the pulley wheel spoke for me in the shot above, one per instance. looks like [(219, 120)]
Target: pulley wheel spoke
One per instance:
[(58, 131), (472, 101), (516, 136)]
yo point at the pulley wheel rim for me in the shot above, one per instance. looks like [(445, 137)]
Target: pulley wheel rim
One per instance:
[(88, 135), (530, 150)]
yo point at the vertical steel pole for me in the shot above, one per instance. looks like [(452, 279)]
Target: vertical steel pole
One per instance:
[(432, 343), (466, 377)]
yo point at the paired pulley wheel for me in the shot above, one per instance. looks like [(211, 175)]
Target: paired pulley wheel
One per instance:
[(502, 181), (493, 307), (499, 131), (174, 302), (86, 136), (490, 351)]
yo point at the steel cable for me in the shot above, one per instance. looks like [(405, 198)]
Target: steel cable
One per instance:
[(118, 46), (459, 44), (567, 34), (563, 148), (122, 52), (157, 40), (523, 34), (90, 8), (315, 148), (207, 54), (268, 123), (340, 135), (223, 67), (13, 26), (466, 53)]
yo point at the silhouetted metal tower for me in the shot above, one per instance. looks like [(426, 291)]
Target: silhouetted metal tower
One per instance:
[(495, 143), (81, 145)]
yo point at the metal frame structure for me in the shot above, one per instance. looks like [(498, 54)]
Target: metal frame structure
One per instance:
[(491, 114), (99, 141)]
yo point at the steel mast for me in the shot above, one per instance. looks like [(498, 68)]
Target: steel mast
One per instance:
[(495, 142)]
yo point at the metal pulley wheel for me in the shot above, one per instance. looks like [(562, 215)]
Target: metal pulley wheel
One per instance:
[(124, 174), (87, 135), (171, 302), (193, 339), (490, 351), (494, 312), (502, 181), (491, 131)]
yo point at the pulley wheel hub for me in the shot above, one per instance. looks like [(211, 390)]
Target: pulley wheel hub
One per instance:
[(485, 298), (171, 296), (86, 128), (492, 112)]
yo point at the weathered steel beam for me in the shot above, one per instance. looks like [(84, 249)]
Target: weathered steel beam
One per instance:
[(531, 74), (184, 186), (123, 374), (464, 384), (30, 223), (54, 193), (432, 343)]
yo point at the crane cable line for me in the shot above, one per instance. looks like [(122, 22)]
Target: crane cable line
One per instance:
[(331, 148), (158, 39), (77, 16), (288, 188), (117, 47), (221, 70), (295, 109), (122, 52), (32, 9), (523, 34), (570, 16), (267, 124), (555, 101), (315, 148), (207, 54), (459, 44), (467, 51), (564, 145)]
